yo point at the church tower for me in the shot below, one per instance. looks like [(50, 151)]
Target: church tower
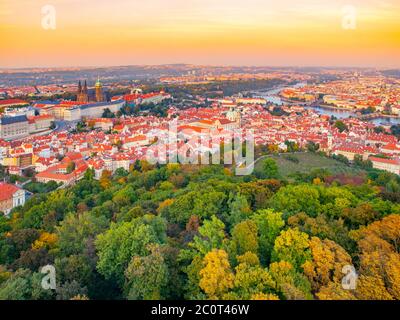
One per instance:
[(82, 94), (234, 115), (99, 91)]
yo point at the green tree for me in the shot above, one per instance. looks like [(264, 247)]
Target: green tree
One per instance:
[(250, 278), (245, 238), (147, 277), (269, 169), (297, 198), (119, 244), (76, 231), (341, 126), (269, 225), (239, 210), (211, 236)]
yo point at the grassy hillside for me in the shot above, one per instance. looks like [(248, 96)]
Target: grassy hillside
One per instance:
[(308, 162)]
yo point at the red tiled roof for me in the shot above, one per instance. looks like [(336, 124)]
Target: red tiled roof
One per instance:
[(7, 191), (12, 101), (383, 160)]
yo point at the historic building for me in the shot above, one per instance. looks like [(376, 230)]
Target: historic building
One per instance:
[(91, 110), (85, 95), (10, 197), (99, 91), (234, 116), (21, 126), (14, 127), (82, 94)]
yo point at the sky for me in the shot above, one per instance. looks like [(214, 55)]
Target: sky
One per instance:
[(206, 32)]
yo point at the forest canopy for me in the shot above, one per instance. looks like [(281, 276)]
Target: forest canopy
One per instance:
[(199, 232)]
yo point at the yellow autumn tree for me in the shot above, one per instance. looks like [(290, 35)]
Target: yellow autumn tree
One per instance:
[(165, 203), (146, 166), (292, 245), (325, 266), (334, 291), (379, 257), (264, 296), (46, 240), (216, 277), (317, 181), (105, 179)]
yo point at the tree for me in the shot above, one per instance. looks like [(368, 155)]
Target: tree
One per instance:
[(239, 210), (32, 259), (263, 296), (192, 287), (146, 277), (211, 237), (75, 268), (245, 238), (24, 285), (75, 232), (257, 193), (70, 290), (379, 129), (119, 244), (341, 126), (323, 227), (289, 283), (107, 113), (325, 266), (269, 225), (292, 246), (293, 199), (312, 146), (216, 277), (250, 278), (335, 291), (363, 214), (105, 179), (46, 240), (291, 146), (22, 240), (71, 167), (379, 256), (17, 287), (204, 204), (395, 130), (270, 169)]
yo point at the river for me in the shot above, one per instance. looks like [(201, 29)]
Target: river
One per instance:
[(273, 97)]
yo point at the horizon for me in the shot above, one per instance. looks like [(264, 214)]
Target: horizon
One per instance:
[(304, 33), (203, 66)]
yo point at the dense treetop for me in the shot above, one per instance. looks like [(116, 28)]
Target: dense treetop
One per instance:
[(199, 232)]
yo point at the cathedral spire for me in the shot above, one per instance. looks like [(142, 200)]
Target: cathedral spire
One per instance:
[(82, 95)]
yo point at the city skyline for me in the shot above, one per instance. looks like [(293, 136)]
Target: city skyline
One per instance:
[(258, 33)]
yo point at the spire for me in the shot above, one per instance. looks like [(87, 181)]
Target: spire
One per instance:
[(98, 83), (85, 90), (79, 87)]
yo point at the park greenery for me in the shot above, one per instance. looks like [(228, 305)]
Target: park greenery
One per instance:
[(200, 232)]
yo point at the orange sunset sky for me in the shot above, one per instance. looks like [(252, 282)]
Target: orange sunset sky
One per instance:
[(214, 32)]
